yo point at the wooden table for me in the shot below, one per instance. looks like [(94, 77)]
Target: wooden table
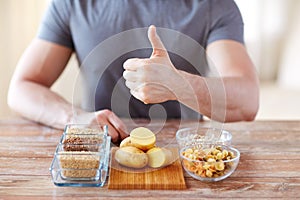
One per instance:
[(269, 166)]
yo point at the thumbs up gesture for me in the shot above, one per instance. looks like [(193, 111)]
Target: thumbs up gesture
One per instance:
[(154, 79)]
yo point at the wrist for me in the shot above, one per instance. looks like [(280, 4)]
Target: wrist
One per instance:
[(181, 86), (79, 116), (192, 91)]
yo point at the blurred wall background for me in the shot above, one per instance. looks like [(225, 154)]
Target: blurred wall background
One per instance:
[(19, 21), (272, 28)]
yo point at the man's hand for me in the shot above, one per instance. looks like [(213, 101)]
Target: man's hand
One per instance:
[(152, 80), (116, 128)]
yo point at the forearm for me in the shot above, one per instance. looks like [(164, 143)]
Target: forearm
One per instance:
[(231, 97), (222, 99), (38, 103)]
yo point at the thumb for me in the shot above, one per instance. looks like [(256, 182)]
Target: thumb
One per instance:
[(157, 45)]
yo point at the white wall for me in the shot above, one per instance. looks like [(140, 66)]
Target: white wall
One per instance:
[(268, 24), (19, 21)]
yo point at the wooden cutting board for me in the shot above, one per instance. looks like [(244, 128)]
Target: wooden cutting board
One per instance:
[(167, 178)]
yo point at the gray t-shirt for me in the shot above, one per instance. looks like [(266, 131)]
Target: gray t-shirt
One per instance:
[(86, 26)]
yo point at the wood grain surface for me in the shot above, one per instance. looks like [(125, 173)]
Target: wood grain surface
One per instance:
[(269, 166), (167, 178)]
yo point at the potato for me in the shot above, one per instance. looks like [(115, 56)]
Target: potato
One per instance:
[(142, 138), (131, 157), (126, 142), (159, 157)]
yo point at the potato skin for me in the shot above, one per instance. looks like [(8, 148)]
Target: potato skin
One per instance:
[(143, 147), (126, 142), (131, 157), (159, 157), (142, 138)]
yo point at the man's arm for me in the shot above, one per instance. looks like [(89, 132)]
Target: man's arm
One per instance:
[(236, 90), (30, 94), (231, 96)]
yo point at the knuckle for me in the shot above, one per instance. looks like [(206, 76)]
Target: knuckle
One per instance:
[(126, 63), (125, 74), (129, 62), (127, 83), (106, 112)]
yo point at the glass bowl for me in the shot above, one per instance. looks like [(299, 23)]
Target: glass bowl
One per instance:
[(207, 162), (81, 157), (191, 136), (82, 129)]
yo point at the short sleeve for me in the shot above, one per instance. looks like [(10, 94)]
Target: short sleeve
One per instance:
[(225, 21), (55, 25)]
